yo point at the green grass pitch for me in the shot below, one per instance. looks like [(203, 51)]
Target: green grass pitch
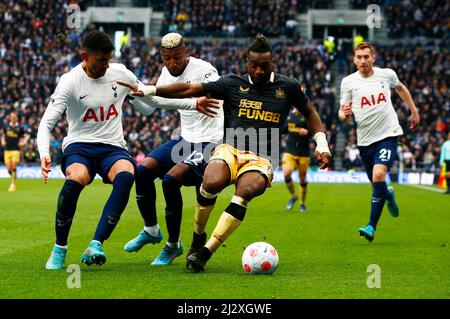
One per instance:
[(321, 254)]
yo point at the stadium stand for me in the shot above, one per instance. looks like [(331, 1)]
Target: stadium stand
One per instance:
[(234, 17)]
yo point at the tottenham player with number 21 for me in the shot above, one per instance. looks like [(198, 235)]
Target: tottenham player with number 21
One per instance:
[(366, 94)]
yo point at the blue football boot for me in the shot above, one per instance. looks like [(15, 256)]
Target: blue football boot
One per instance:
[(392, 204), (57, 258), (94, 254), (141, 240), (167, 255), (367, 232), (291, 203)]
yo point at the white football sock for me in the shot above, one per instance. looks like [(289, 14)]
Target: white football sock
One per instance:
[(152, 230)]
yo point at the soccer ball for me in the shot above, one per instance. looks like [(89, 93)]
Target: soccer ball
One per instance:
[(260, 258)]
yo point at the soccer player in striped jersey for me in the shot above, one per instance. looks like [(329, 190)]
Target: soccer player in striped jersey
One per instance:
[(92, 101), (366, 94)]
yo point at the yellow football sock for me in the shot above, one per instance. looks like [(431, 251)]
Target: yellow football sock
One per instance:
[(201, 217), (202, 212), (226, 225), (13, 177)]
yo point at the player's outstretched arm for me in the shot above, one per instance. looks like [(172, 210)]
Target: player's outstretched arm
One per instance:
[(175, 90), (147, 104), (404, 93), (145, 93)]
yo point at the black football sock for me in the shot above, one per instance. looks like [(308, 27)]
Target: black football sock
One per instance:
[(115, 205)]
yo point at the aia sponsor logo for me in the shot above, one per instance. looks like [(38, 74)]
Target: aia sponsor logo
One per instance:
[(372, 100), (101, 116)]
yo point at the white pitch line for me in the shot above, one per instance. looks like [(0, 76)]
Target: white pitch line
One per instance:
[(428, 188)]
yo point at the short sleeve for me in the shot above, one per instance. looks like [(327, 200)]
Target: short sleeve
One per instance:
[(296, 94), (217, 89), (131, 77), (209, 75), (346, 95), (393, 79)]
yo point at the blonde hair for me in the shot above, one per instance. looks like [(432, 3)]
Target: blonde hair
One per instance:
[(171, 40)]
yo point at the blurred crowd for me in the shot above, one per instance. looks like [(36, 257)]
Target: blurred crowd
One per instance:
[(238, 18), (417, 18), (33, 57), (412, 18)]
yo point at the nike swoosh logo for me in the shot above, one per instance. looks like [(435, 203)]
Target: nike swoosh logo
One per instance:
[(82, 97)]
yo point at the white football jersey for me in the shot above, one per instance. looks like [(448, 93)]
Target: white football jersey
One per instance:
[(375, 116), (197, 127), (94, 107)]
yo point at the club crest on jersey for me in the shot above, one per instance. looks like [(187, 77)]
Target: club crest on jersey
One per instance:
[(100, 117), (114, 88), (279, 93), (366, 102), (243, 90)]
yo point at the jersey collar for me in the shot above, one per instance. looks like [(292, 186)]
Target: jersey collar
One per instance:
[(272, 78)]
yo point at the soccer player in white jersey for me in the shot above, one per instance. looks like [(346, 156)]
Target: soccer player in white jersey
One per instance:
[(366, 94), (180, 161), (94, 144)]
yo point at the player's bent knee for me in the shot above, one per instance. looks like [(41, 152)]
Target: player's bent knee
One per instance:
[(143, 173), (379, 177), (119, 166), (150, 163), (288, 177), (250, 191), (79, 173), (170, 182), (82, 179), (124, 179), (214, 185)]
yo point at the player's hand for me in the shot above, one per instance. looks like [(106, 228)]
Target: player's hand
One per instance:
[(138, 90), (323, 159), (205, 106), (133, 87), (347, 110), (414, 120), (46, 163)]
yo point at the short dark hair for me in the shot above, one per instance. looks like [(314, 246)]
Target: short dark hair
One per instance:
[(97, 41), (260, 45)]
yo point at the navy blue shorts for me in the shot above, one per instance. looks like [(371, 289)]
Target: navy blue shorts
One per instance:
[(178, 150), (97, 157), (381, 152)]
